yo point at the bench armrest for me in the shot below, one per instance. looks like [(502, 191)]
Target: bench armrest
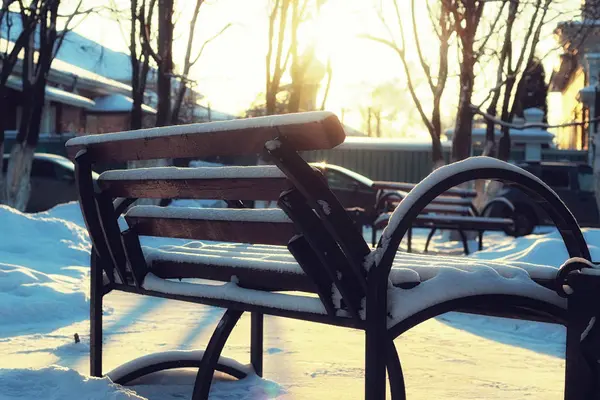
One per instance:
[(455, 174)]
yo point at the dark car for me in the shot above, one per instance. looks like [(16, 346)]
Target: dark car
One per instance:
[(574, 184), (52, 181), (351, 189)]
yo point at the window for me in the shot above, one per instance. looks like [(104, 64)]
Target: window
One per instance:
[(339, 181), (586, 181), (556, 178), (43, 169)]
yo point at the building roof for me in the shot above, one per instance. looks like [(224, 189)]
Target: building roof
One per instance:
[(55, 94), (117, 103)]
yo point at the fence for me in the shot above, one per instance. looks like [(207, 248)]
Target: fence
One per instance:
[(413, 164)]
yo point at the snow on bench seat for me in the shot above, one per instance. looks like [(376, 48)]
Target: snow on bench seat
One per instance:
[(439, 278), (163, 173), (407, 268), (232, 292), (272, 215)]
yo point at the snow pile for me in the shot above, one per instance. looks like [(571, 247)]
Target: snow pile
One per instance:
[(54, 383), (43, 266), (546, 249)]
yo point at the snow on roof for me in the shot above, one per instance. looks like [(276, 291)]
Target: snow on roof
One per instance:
[(117, 103), (87, 54), (55, 94)]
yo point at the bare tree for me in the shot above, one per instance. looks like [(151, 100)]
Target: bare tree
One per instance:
[(9, 56), (443, 26), (189, 62), (467, 16), (276, 63), (35, 68), (526, 57), (328, 84)]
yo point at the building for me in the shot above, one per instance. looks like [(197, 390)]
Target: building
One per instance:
[(577, 75), (88, 91)]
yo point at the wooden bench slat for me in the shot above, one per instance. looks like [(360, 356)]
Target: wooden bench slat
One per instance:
[(225, 189), (240, 183), (269, 226), (249, 278), (304, 131)]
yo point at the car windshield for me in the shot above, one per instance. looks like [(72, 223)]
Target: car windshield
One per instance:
[(63, 162), (586, 181), (354, 175)]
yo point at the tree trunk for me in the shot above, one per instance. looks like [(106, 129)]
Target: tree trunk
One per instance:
[(504, 142), (165, 66), (18, 185), (437, 155), (461, 142)]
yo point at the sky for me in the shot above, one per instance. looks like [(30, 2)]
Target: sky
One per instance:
[(231, 72)]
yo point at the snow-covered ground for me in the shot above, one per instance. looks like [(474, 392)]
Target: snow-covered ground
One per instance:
[(43, 303)]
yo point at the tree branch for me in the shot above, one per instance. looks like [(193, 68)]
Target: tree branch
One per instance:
[(213, 37)]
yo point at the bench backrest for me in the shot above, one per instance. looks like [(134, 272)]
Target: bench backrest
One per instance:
[(313, 223), (304, 131)]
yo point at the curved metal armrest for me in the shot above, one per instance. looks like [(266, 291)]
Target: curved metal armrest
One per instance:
[(455, 174)]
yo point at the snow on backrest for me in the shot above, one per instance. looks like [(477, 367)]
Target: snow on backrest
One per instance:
[(304, 131)]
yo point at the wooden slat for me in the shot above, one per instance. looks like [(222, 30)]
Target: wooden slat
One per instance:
[(250, 278), (239, 189), (305, 131), (226, 231)]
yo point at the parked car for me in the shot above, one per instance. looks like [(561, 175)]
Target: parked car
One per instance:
[(574, 184), (351, 189), (52, 181)]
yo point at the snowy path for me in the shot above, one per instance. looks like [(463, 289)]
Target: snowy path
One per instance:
[(456, 356), (307, 360)]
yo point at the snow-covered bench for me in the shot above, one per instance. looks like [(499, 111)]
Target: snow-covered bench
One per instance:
[(454, 210), (305, 260)]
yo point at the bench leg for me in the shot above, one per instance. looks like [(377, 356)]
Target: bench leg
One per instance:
[(431, 233), (409, 245), (96, 293), (256, 342), (395, 375), (373, 235), (213, 352), (582, 376), (480, 240), (463, 237), (377, 340)]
